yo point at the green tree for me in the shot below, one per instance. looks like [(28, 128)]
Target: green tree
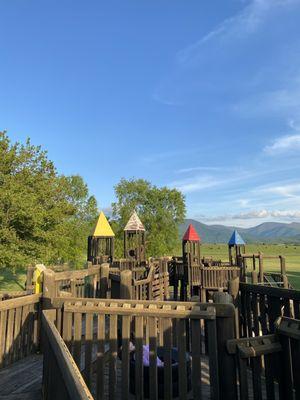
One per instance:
[(160, 210), (44, 216)]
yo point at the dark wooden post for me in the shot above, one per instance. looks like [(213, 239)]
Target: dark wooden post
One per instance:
[(261, 268), (126, 285), (225, 332), (233, 290), (104, 275)]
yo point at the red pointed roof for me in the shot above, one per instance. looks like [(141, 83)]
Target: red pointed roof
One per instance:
[(191, 235)]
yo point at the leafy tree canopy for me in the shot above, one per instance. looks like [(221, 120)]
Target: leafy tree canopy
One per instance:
[(160, 210), (44, 217)]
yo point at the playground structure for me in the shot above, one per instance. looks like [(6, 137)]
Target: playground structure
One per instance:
[(89, 337), (237, 245), (189, 275), (134, 240), (233, 333), (101, 242)]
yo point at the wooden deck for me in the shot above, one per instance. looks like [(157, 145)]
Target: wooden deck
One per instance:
[(22, 380)]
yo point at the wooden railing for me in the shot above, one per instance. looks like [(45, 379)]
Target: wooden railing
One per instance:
[(62, 379), (217, 277), (14, 294), (274, 362), (106, 331), (154, 286), (140, 324), (79, 283), (124, 264), (261, 305), (19, 328)]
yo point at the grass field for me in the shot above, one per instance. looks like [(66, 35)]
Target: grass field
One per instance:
[(15, 280)]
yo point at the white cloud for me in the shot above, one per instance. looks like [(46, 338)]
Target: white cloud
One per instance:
[(195, 184), (291, 214), (283, 144), (243, 23), (194, 169), (257, 214), (288, 190)]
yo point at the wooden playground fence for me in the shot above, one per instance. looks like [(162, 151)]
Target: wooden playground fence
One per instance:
[(274, 362), (102, 281), (62, 379), (261, 305), (214, 277), (87, 323), (19, 328), (144, 325), (14, 294)]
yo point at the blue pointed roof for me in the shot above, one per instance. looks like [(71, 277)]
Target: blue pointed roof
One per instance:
[(236, 238)]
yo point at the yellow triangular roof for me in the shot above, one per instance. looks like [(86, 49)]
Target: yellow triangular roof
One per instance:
[(102, 227)]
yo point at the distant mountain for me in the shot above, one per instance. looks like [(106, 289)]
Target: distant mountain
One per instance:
[(275, 232)]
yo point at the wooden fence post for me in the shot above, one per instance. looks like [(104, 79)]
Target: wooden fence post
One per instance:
[(126, 285), (233, 290), (104, 275), (283, 272), (254, 277), (49, 290), (261, 268), (29, 278), (226, 362)]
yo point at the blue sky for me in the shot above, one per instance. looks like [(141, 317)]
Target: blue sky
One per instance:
[(199, 95)]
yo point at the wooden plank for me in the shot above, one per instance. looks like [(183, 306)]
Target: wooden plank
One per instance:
[(113, 349), (153, 384), (19, 302), (3, 322), (263, 314), (88, 347), (243, 378), (167, 345), (196, 359), (125, 354), (296, 304), (69, 374), (286, 367), (182, 367), (17, 334), (30, 329), (77, 338), (269, 376), (256, 378), (24, 330), (213, 359), (9, 337), (67, 328), (139, 368), (295, 352), (255, 313), (100, 356)]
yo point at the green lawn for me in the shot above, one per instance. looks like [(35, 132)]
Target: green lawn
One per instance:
[(12, 280), (15, 280)]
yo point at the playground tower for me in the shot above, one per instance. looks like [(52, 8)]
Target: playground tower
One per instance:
[(101, 242)]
